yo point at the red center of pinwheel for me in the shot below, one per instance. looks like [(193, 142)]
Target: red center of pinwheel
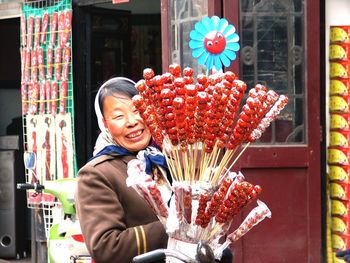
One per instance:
[(215, 42)]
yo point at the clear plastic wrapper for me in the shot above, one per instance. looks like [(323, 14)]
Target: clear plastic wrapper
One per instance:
[(255, 216)]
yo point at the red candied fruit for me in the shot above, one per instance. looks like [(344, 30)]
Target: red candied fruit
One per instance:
[(258, 189), (202, 97), (178, 103), (230, 76), (175, 69), (167, 94), (141, 85), (179, 82), (202, 79), (191, 90), (188, 71), (148, 73)]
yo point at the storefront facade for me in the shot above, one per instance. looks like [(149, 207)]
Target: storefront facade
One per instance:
[(282, 47)]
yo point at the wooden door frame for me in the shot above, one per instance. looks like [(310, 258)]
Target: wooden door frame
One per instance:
[(306, 156), (303, 156)]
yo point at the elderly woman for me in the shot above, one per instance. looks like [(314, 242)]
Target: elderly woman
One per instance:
[(117, 223)]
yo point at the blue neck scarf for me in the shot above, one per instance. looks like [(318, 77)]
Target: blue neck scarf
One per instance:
[(151, 158)]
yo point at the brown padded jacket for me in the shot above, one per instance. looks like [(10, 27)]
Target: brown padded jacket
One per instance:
[(117, 223)]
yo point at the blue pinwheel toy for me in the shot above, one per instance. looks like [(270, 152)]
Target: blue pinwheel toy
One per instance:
[(214, 42)]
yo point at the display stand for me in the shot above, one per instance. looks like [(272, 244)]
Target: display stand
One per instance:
[(47, 106)]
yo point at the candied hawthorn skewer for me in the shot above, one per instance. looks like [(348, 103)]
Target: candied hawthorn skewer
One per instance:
[(188, 75), (40, 54), (191, 104), (63, 96), (175, 70), (201, 217), (147, 113), (49, 60), (44, 26), (37, 31), (67, 27), (156, 196), (60, 28), (27, 65), (48, 96), (254, 217), (269, 117), (58, 63), (178, 201), (54, 97), (216, 201), (23, 30), (24, 95), (53, 28), (167, 98), (187, 203), (23, 52), (30, 30), (180, 120), (34, 66), (238, 197), (66, 62), (42, 96), (34, 96)]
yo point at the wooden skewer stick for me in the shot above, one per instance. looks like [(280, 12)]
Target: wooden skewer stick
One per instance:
[(227, 156), (216, 228), (239, 155)]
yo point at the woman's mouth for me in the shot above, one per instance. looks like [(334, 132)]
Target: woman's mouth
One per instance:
[(134, 134)]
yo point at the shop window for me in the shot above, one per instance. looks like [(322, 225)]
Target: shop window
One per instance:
[(273, 54), (183, 16)]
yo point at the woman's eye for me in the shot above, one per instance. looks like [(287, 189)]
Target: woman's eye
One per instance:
[(118, 117)]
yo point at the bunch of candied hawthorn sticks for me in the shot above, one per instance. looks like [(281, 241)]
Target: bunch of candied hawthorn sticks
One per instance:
[(202, 127), (194, 120)]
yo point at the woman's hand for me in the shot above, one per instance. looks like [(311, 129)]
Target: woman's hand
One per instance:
[(345, 255), (227, 256)]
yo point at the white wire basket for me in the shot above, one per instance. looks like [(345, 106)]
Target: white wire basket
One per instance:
[(53, 214)]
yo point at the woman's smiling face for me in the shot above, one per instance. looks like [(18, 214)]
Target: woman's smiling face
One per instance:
[(124, 123)]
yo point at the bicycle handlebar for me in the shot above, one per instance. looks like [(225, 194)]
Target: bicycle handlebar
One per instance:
[(35, 186), (159, 254), (149, 257)]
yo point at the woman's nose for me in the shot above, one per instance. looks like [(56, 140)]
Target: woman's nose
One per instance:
[(131, 119)]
